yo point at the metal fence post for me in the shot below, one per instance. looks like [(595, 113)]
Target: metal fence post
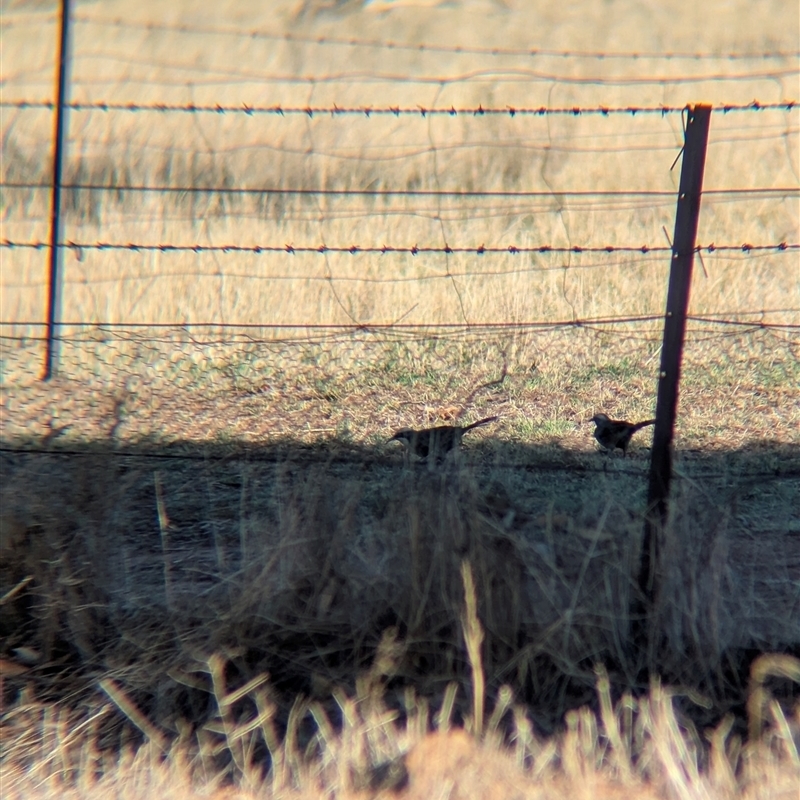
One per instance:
[(56, 222), (680, 279)]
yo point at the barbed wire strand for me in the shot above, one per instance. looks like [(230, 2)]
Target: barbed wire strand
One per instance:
[(396, 111), (414, 250)]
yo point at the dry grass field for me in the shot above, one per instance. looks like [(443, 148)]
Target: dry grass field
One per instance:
[(130, 63), (218, 578)]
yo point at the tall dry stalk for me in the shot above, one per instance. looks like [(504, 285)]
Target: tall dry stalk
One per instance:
[(473, 637)]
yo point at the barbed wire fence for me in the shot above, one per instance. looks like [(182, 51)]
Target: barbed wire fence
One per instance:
[(210, 217), (302, 194), (207, 219)]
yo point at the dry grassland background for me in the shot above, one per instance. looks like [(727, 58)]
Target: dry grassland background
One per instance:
[(214, 509), (220, 63)]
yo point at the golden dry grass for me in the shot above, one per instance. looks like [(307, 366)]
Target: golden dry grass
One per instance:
[(644, 748), (551, 155)]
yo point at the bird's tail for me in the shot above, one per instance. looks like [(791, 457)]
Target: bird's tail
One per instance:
[(644, 424), (484, 421)]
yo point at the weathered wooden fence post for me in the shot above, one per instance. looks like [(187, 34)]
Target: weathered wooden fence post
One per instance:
[(54, 288), (680, 279)]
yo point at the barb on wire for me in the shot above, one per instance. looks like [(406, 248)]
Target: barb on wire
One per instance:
[(429, 48), (396, 111), (414, 250)]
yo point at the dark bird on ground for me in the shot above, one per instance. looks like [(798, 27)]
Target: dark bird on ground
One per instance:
[(435, 441), (613, 433)]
